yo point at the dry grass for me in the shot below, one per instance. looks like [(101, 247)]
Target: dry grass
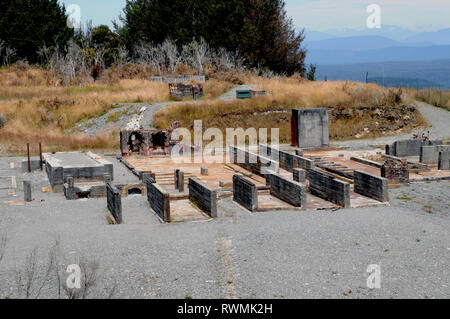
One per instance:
[(36, 109), (440, 98), (356, 110)]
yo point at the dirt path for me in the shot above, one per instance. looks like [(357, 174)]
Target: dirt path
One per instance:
[(438, 118)]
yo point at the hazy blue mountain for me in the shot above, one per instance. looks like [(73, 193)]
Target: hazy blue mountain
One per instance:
[(437, 71), (388, 31), (400, 53), (437, 37), (359, 43), (311, 35)]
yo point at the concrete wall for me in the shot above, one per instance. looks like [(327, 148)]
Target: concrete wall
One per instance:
[(286, 160), (114, 202), (409, 147), (299, 175), (371, 186), (327, 187), (204, 197), (444, 161), (430, 154), (313, 127), (159, 201), (289, 191), (245, 193), (254, 163)]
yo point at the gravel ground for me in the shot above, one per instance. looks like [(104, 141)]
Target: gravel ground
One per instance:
[(438, 118), (265, 255)]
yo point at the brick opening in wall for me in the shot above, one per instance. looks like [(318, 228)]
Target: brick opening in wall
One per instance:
[(135, 191), (81, 195), (136, 142), (159, 139)]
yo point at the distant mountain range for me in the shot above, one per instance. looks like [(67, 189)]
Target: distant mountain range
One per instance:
[(397, 55), (413, 73), (440, 37)]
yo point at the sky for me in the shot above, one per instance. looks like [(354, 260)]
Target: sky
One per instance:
[(318, 15)]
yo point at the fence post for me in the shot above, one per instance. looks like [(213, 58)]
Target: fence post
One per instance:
[(29, 161)]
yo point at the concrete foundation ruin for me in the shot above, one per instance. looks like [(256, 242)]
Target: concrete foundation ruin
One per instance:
[(310, 128), (146, 142), (182, 91)]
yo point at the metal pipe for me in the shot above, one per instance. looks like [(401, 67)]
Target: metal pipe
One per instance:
[(41, 164), (29, 161)]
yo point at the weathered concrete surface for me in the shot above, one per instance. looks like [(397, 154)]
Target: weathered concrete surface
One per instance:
[(409, 147), (202, 196), (289, 191), (444, 161), (114, 202), (430, 154), (159, 200), (245, 193), (27, 191), (371, 186), (313, 127), (299, 175), (327, 187), (254, 163)]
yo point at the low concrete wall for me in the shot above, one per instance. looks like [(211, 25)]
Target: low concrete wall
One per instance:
[(159, 201), (202, 196), (299, 175), (245, 193), (289, 191), (286, 161), (327, 187), (179, 79), (430, 154), (444, 161), (114, 201), (371, 186), (27, 191), (409, 147), (254, 163)]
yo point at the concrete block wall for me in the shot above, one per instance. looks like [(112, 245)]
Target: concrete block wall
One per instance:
[(371, 186), (327, 187), (245, 193), (430, 154), (202, 196), (444, 161), (299, 175), (409, 147), (286, 160), (159, 200), (313, 127), (114, 202), (289, 191), (253, 162)]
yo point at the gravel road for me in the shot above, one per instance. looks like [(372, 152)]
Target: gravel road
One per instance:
[(438, 118)]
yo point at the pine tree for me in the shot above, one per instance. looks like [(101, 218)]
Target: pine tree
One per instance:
[(26, 25)]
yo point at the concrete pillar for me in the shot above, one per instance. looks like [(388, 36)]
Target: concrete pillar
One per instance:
[(181, 182), (27, 191), (204, 171)]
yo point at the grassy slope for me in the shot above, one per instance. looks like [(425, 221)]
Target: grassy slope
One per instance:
[(356, 110)]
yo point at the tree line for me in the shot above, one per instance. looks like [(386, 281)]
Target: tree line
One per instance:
[(249, 33)]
